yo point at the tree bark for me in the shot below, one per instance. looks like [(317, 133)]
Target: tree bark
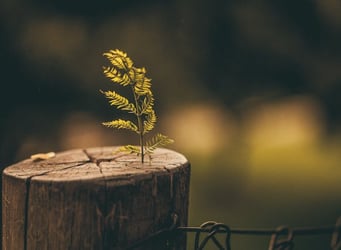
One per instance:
[(94, 199)]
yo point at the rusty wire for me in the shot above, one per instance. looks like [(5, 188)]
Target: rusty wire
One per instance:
[(282, 238)]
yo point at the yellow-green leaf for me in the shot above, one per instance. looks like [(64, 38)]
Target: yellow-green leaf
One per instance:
[(142, 87), (119, 101), (150, 121), (130, 149), (119, 59), (121, 124), (116, 76), (158, 140), (147, 104)]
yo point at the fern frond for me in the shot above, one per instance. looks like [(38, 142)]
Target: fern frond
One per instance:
[(147, 104), (150, 121), (130, 149), (117, 76), (122, 71), (121, 124), (119, 101), (139, 74), (143, 86), (119, 59), (158, 140)]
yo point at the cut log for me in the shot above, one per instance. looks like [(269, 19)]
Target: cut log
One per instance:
[(94, 199)]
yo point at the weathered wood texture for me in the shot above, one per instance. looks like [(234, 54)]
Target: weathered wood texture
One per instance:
[(94, 199)]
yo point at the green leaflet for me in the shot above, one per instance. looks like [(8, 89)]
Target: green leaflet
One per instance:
[(119, 101), (158, 140), (116, 76), (119, 59), (130, 149), (150, 121), (147, 105), (121, 124), (143, 84), (123, 72)]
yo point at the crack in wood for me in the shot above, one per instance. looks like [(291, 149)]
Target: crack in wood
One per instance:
[(94, 160), (55, 170), (105, 216), (28, 183), (27, 197), (63, 163)]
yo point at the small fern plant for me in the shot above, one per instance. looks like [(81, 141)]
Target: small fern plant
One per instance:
[(122, 72)]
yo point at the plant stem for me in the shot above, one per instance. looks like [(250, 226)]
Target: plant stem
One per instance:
[(140, 124), (141, 137)]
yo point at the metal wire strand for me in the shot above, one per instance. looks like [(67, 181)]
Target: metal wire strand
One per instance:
[(281, 237), (282, 244), (336, 236), (213, 228)]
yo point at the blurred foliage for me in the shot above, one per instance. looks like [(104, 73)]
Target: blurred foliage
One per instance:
[(249, 90)]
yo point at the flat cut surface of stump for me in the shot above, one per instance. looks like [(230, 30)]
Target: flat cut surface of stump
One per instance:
[(94, 199)]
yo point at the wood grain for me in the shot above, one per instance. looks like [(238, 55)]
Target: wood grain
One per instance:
[(94, 199)]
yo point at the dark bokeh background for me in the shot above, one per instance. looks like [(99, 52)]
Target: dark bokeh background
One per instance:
[(250, 90)]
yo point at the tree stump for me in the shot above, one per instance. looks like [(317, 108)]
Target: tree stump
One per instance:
[(94, 199)]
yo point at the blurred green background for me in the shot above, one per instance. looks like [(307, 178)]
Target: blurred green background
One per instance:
[(249, 90)]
